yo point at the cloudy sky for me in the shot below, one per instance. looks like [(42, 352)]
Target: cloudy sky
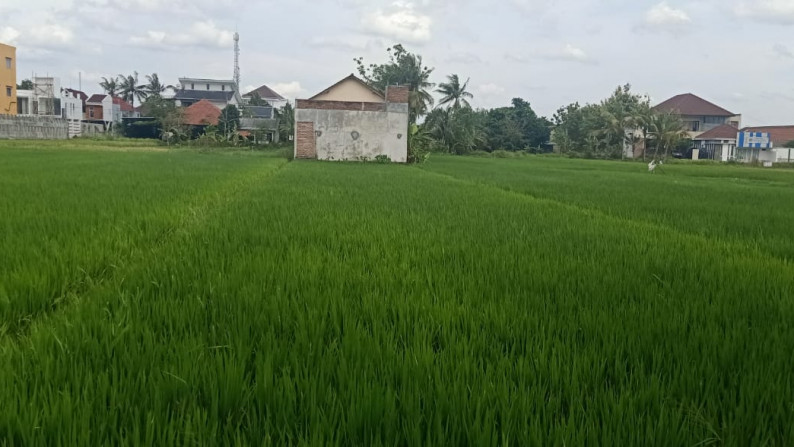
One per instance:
[(736, 53)]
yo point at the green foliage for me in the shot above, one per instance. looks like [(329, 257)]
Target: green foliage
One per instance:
[(790, 144), (453, 94), (403, 68), (256, 100), (456, 131), (229, 121), (228, 298), (286, 122), (419, 144), (382, 159), (516, 128), (129, 88), (26, 84), (603, 130)]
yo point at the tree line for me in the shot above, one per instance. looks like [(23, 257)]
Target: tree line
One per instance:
[(609, 129)]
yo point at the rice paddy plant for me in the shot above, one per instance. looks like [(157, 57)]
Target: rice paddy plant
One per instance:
[(725, 202), (363, 304)]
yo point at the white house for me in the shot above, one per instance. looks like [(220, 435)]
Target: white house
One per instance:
[(220, 93)]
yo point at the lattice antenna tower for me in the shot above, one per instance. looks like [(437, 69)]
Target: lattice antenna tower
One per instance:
[(237, 61)]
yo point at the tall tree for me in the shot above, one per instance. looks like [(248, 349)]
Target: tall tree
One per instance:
[(453, 93), (229, 121), (154, 87), (129, 88), (110, 85), (403, 68), (26, 84), (667, 131), (286, 122)]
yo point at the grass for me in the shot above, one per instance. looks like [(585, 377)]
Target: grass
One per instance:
[(177, 297)]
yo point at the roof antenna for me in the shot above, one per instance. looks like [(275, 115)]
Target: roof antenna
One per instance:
[(237, 61)]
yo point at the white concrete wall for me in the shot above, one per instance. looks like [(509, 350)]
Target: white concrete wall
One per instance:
[(201, 84), (379, 133)]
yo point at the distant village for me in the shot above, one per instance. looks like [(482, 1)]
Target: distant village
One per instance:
[(348, 120)]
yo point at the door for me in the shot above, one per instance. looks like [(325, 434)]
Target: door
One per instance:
[(306, 141)]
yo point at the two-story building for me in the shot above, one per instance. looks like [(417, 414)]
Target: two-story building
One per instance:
[(699, 115), (8, 80), (220, 93)]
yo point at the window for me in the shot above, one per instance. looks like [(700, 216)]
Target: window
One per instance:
[(692, 126), (91, 112), (8, 62), (223, 88), (8, 90), (208, 86), (714, 120), (192, 86)]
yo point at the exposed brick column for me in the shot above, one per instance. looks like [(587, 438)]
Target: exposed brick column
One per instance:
[(398, 94), (306, 140)]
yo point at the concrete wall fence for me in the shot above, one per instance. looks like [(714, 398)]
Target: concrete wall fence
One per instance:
[(33, 127)]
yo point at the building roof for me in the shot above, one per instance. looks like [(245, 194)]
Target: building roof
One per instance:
[(780, 134), (691, 105), (724, 132), (260, 111), (266, 93), (209, 95), (97, 98), (76, 93), (123, 105), (205, 80), (202, 113), (353, 78)]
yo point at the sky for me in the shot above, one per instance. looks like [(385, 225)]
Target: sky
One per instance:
[(738, 54)]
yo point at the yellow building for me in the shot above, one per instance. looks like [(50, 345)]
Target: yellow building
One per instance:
[(8, 80)]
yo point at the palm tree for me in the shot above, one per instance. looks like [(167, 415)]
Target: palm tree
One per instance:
[(130, 89), (454, 93), (668, 131), (110, 85), (154, 87)]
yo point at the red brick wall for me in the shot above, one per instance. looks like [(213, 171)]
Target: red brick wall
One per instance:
[(305, 141), (341, 105), (398, 94)]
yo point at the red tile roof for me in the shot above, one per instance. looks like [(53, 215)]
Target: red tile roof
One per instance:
[(124, 105), (691, 105), (266, 93), (724, 132), (780, 134), (202, 113), (97, 98), (76, 93)]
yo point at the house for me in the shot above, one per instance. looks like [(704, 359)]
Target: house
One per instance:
[(266, 93), (101, 110), (8, 80), (352, 121), (220, 93), (699, 115), (202, 113), (780, 136), (125, 108), (718, 144), (260, 122), (723, 144)]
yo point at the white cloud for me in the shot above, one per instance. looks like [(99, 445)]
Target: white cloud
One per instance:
[(490, 89), (401, 22), (204, 33), (290, 90), (9, 35), (464, 58), (49, 35), (664, 17), (567, 53), (345, 43), (783, 51), (771, 11)]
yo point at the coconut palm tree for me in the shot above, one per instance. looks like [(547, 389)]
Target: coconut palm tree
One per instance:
[(129, 88), (667, 130), (110, 85), (154, 87), (453, 93)]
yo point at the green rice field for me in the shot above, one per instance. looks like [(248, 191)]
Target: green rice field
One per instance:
[(175, 297)]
